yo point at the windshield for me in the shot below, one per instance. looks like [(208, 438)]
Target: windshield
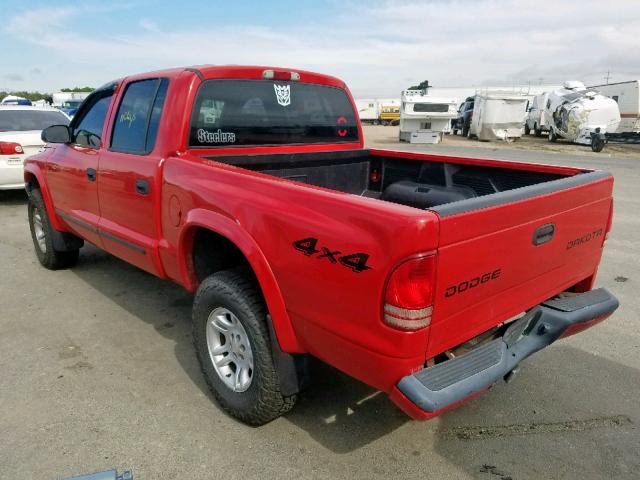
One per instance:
[(71, 104), (430, 107), (26, 120), (258, 112)]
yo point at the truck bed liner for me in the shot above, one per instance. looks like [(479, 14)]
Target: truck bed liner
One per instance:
[(446, 187)]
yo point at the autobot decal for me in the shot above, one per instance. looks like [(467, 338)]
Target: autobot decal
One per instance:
[(354, 261), (283, 94)]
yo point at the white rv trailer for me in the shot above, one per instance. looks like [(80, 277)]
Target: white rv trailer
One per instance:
[(574, 112), (627, 94), (368, 110), (423, 118), (498, 115)]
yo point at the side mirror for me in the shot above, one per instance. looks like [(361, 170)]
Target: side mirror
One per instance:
[(56, 134)]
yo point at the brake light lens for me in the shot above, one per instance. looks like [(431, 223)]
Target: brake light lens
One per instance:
[(579, 327), (409, 295), (10, 148), (280, 75)]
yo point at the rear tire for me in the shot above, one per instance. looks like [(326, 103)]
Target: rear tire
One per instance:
[(230, 329), (527, 130), (597, 145), (465, 130), (537, 131), (42, 235)]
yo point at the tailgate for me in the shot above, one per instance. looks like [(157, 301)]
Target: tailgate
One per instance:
[(502, 254)]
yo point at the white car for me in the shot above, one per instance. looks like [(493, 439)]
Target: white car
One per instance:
[(20, 129)]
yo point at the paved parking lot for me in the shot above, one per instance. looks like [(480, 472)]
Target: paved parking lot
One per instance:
[(97, 371)]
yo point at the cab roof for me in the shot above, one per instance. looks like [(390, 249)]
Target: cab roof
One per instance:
[(210, 72)]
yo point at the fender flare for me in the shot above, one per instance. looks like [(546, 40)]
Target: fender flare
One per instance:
[(32, 170), (232, 231)]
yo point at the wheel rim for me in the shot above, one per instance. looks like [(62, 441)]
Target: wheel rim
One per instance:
[(38, 230), (230, 349)]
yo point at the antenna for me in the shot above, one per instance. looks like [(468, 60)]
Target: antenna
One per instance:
[(608, 76)]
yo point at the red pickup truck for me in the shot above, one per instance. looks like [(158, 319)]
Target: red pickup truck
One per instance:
[(428, 277)]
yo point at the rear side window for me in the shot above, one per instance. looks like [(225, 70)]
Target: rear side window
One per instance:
[(260, 112), (136, 122)]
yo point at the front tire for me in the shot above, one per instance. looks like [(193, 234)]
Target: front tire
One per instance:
[(232, 341), (553, 138), (527, 130), (42, 234)]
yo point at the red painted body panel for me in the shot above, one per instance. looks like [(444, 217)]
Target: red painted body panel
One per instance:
[(317, 306)]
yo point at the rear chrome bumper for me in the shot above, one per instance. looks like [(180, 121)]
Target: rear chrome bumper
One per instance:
[(438, 387)]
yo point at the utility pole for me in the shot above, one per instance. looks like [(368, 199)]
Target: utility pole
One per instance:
[(608, 76)]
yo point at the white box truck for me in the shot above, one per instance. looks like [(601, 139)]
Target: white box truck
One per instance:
[(627, 94), (368, 110)]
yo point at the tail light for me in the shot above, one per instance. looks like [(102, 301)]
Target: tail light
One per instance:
[(409, 294), (579, 327), (280, 75), (609, 223), (10, 148)]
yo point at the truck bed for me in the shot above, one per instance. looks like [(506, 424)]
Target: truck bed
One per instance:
[(420, 181)]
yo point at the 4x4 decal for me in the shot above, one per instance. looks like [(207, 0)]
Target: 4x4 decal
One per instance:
[(354, 261)]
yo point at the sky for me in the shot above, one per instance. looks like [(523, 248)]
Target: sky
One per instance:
[(379, 47)]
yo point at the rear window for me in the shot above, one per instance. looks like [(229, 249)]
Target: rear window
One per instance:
[(259, 112), (430, 107), (26, 120)]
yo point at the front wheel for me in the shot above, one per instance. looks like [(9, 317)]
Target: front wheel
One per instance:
[(232, 341), (552, 135), (527, 130), (42, 234)]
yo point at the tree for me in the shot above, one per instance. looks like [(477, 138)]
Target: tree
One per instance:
[(78, 89), (421, 86)]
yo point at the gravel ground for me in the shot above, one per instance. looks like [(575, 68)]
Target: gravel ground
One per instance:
[(97, 371)]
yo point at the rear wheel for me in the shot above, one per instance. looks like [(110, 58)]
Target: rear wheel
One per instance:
[(597, 144), (527, 130), (233, 346), (42, 234), (537, 131), (465, 130)]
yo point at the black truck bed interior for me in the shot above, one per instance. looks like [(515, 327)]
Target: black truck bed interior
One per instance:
[(420, 184)]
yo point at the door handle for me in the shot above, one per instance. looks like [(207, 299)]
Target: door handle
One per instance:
[(544, 234), (91, 174), (142, 187)]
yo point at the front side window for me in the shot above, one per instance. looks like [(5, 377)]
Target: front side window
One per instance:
[(136, 121), (231, 113), (87, 126)]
